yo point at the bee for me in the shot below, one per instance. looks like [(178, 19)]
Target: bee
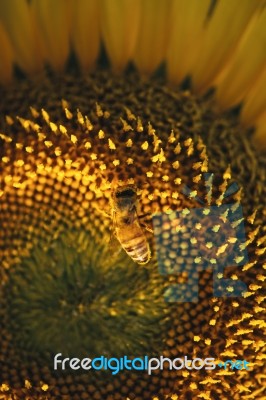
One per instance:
[(126, 225)]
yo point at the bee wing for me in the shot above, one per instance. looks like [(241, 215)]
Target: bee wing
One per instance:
[(114, 245)]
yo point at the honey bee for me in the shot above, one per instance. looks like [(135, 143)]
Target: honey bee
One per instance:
[(126, 225)]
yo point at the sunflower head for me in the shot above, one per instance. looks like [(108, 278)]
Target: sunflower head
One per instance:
[(72, 136)]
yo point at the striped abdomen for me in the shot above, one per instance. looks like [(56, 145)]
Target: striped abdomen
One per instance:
[(134, 242)]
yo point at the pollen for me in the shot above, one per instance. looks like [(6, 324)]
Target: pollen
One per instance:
[(177, 149), (5, 138), (159, 157), (172, 137), (4, 387), (53, 127), (130, 115), (45, 116), (88, 123), (111, 144), (175, 195), (99, 111), (176, 164), (63, 129), (80, 118), (29, 149), (9, 120), (73, 139), (48, 143), (139, 125), (227, 174), (130, 161), (58, 152), (101, 134), (45, 387), (28, 385), (145, 145), (125, 125), (87, 145)]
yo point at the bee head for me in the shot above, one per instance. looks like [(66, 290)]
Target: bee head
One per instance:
[(125, 197), (128, 192)]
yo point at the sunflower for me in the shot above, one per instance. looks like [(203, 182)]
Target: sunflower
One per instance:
[(163, 97)]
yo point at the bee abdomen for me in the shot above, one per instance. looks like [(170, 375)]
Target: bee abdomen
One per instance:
[(138, 249)]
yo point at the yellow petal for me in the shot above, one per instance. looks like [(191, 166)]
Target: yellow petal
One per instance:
[(53, 22), (120, 20), (221, 35), (6, 59), (153, 34), (185, 34), (246, 65), (260, 133), (18, 21), (255, 100), (85, 31)]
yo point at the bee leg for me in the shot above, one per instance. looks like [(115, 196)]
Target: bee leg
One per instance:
[(144, 215), (143, 224), (104, 213), (147, 227)]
